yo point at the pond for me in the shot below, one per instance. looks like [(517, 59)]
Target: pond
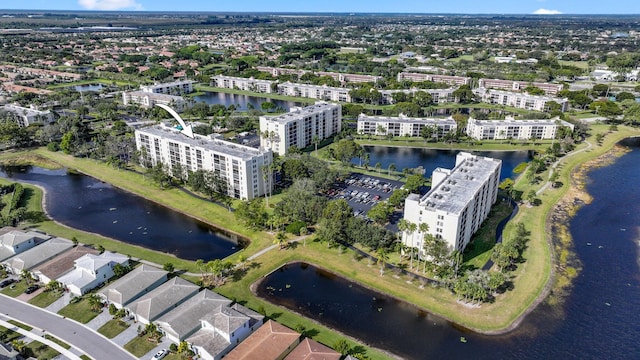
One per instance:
[(599, 319), (241, 101), (88, 204), (429, 159), (88, 87)]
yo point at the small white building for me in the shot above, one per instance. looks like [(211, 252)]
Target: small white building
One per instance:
[(438, 96), (91, 270), (403, 125), (14, 241), (29, 116), (171, 88), (520, 100), (37, 255), (300, 126), (515, 129), (457, 203)]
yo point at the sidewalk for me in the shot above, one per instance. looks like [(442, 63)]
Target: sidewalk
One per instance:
[(57, 305), (99, 320), (38, 335)]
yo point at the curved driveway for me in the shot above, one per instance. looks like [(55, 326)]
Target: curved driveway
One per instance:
[(69, 331)]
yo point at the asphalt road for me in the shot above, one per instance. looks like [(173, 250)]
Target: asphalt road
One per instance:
[(71, 332)]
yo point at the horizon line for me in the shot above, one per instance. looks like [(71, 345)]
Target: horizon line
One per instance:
[(309, 12)]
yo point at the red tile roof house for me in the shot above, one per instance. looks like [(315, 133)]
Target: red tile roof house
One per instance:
[(271, 341)]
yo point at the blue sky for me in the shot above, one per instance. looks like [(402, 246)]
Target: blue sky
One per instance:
[(412, 6)]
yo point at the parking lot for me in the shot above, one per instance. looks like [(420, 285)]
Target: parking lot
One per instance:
[(362, 192)]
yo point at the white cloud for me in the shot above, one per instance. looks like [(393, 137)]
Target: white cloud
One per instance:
[(109, 4), (547, 12)]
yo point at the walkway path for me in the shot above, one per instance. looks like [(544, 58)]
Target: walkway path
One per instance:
[(557, 162), (36, 335)]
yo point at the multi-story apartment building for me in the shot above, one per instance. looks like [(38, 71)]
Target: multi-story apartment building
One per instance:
[(402, 125), (238, 165), (247, 84), (446, 79), (511, 85), (300, 126), (281, 71), (320, 92), (28, 116), (520, 100), (148, 99), (459, 201), (515, 129), (439, 96), (352, 78), (172, 88)]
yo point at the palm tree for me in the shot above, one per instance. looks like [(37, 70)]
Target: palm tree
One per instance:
[(242, 261), (423, 228), (19, 346), (383, 257), (392, 167), (94, 302), (281, 239), (411, 229)]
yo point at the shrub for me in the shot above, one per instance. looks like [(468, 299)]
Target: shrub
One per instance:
[(53, 146), (294, 227), (112, 310)]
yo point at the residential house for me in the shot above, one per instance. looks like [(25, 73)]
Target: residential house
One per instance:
[(91, 271), (37, 255), (14, 241), (312, 350), (271, 341), (61, 264), (133, 285), (162, 299)]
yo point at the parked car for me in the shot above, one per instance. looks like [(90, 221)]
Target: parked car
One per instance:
[(6, 283), (160, 354), (31, 289)]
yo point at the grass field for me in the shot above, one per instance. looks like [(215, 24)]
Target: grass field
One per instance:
[(79, 311), (45, 298), (113, 328), (140, 345)]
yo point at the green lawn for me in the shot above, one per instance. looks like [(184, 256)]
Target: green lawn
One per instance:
[(478, 252), (80, 311), (57, 341), (8, 335), (45, 298), (20, 325), (140, 345), (40, 351), (15, 289), (112, 328)]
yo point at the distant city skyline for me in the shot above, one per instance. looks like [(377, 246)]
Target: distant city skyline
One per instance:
[(548, 7)]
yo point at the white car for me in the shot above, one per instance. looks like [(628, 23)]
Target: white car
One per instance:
[(160, 354)]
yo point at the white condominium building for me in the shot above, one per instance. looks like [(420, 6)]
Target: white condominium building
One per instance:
[(438, 96), (519, 100), (457, 204), (515, 129), (403, 125), (352, 78), (28, 116), (172, 88), (320, 92), (246, 84), (240, 166), (512, 85), (447, 79), (148, 100), (299, 127)]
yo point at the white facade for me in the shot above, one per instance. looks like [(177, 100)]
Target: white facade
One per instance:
[(319, 92), (240, 83), (16, 241), (439, 96), (402, 125), (512, 85), (238, 165), (515, 129), (299, 127), (459, 201), (172, 88), (519, 100), (29, 116), (90, 271), (446, 79), (148, 100)]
